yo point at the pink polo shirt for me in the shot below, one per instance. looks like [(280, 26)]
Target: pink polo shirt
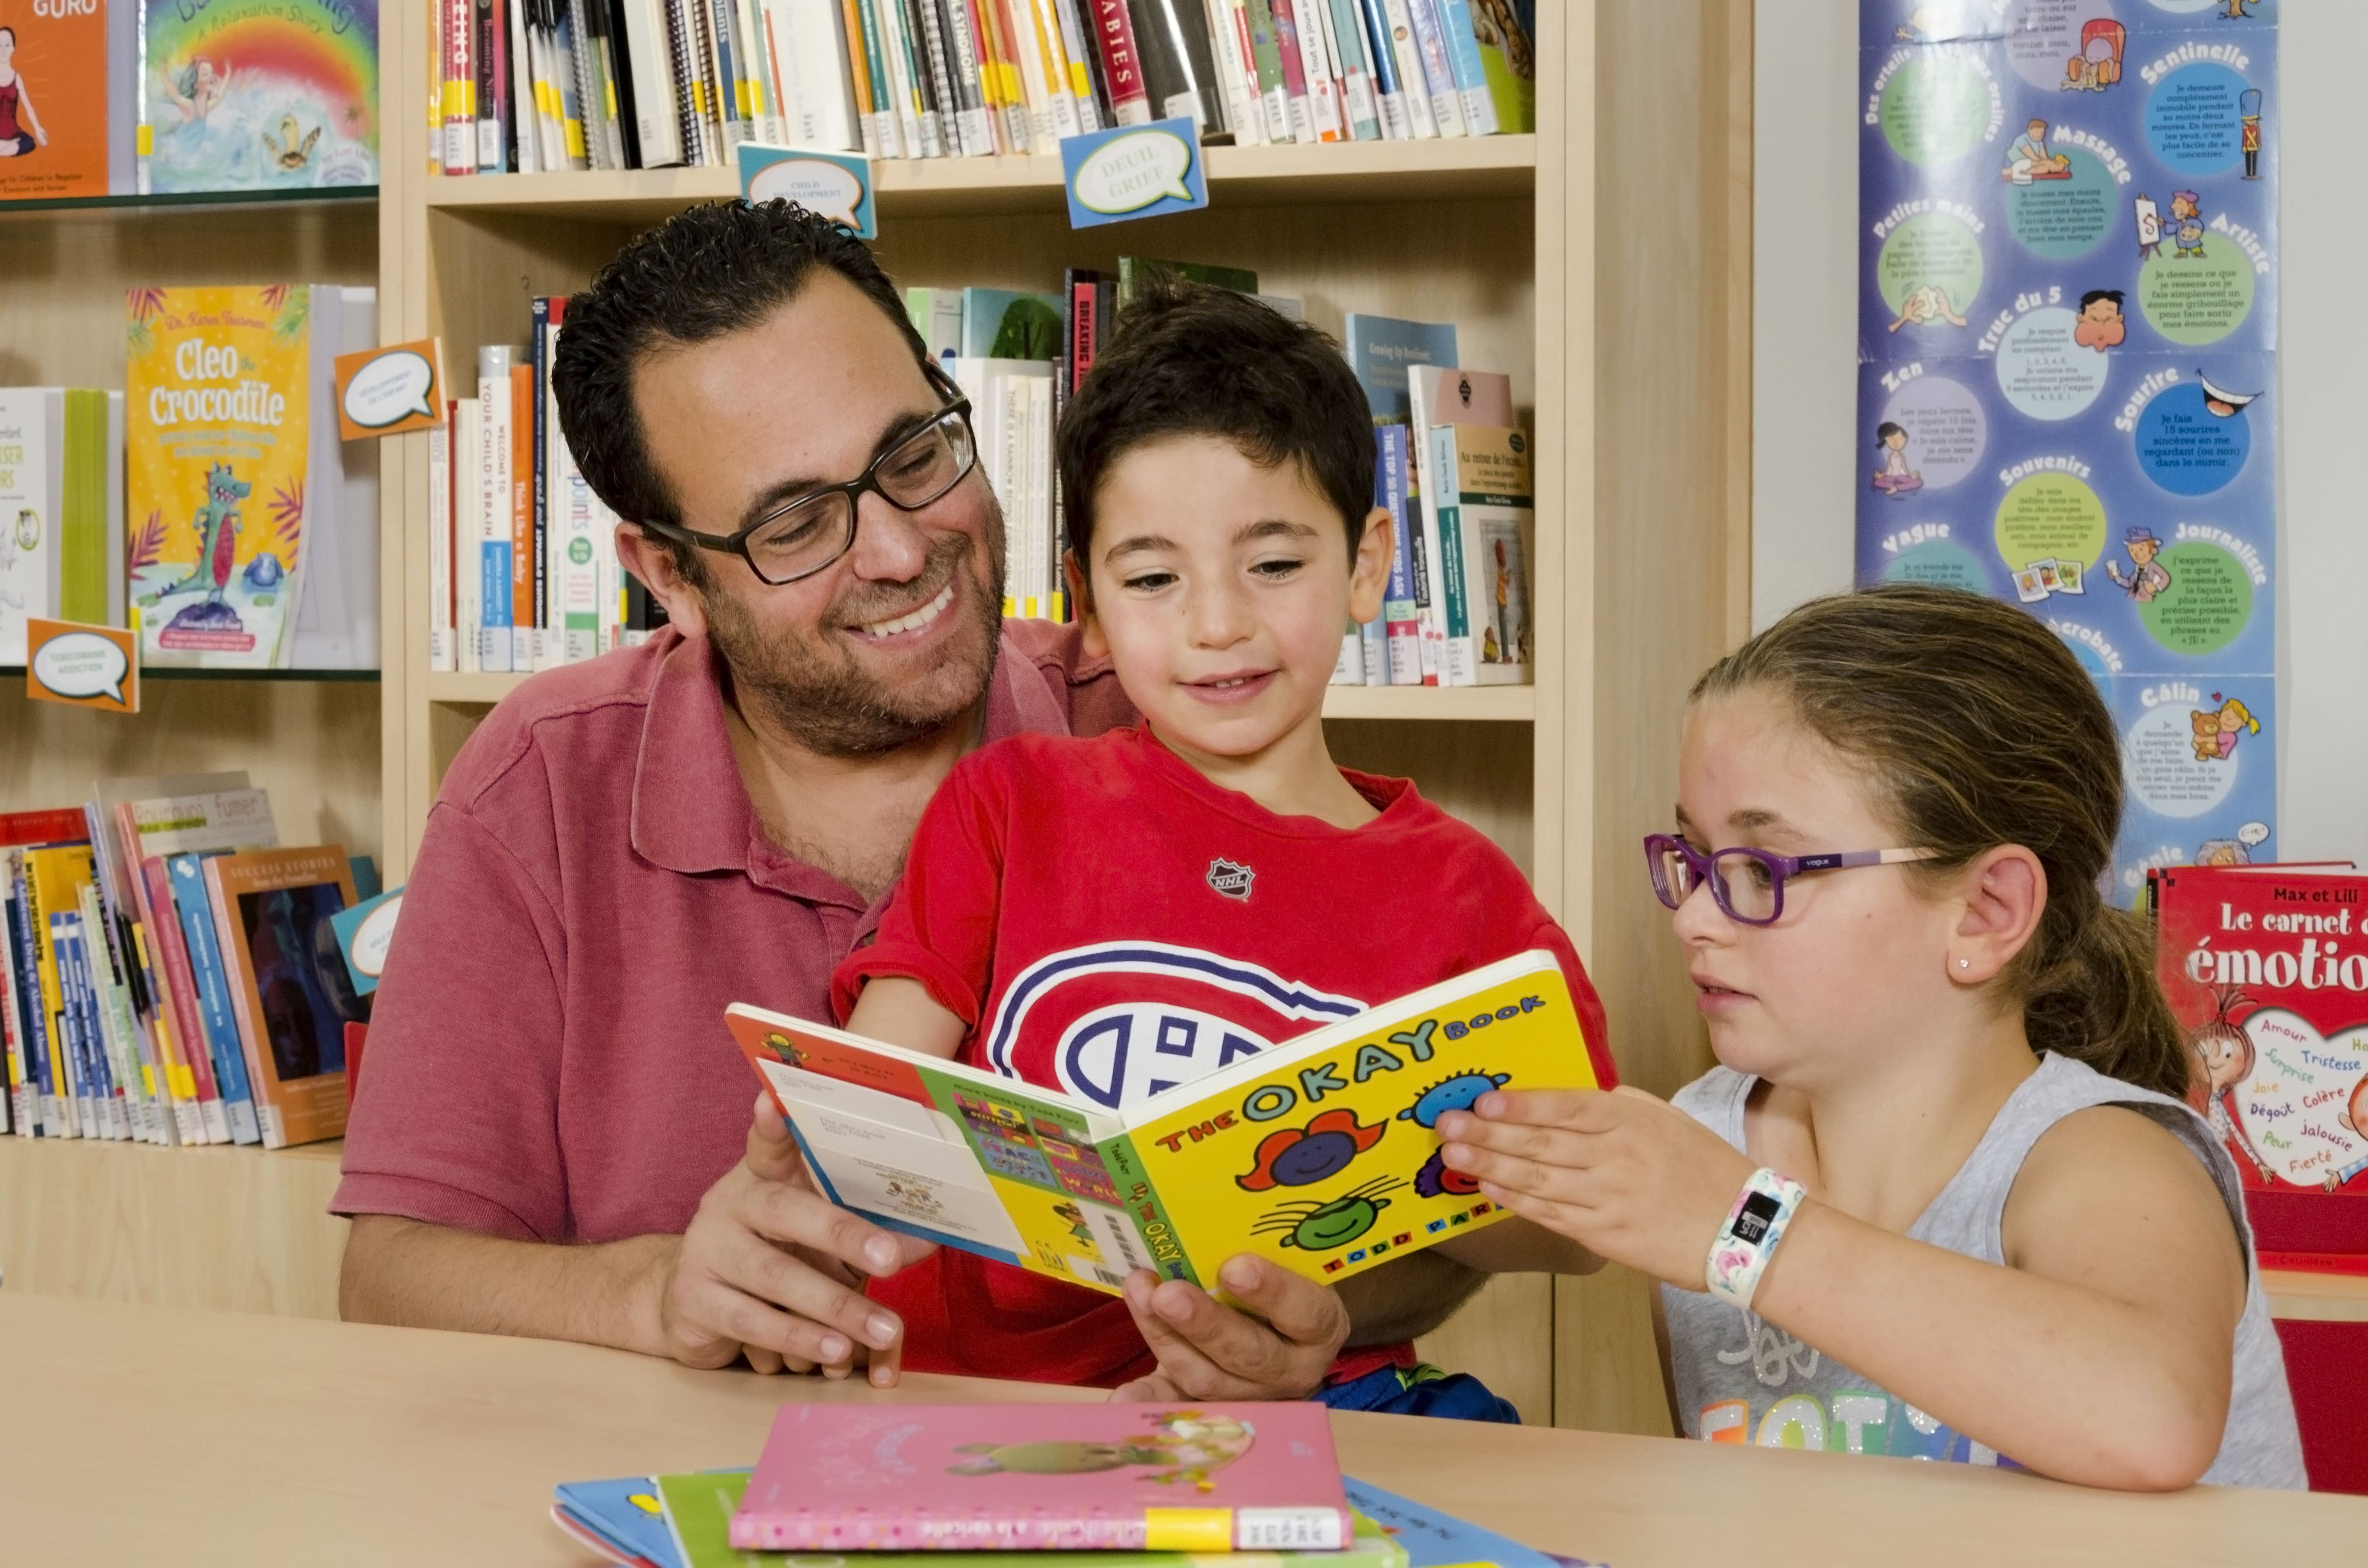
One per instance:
[(548, 1060)]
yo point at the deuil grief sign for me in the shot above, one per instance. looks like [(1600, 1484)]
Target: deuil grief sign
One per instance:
[(1133, 171)]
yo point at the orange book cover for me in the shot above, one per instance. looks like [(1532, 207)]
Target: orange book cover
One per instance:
[(288, 982), (54, 101), (526, 629)]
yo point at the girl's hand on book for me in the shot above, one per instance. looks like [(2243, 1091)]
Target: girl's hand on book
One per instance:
[(1210, 1351), (772, 1269), (1628, 1176)]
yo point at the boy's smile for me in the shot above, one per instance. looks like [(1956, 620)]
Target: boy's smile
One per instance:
[(1220, 588)]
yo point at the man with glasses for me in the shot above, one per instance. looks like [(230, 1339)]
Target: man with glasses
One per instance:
[(554, 1135)]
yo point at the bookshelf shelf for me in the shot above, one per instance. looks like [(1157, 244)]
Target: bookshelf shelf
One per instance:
[(356, 198), (1460, 704), (155, 672), (1465, 169)]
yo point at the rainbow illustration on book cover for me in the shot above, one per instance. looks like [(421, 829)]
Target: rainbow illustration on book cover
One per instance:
[(258, 95)]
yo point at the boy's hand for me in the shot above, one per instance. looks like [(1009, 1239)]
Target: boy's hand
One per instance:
[(1628, 1176), (1208, 1351)]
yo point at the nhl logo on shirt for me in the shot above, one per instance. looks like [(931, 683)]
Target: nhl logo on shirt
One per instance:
[(1230, 880)]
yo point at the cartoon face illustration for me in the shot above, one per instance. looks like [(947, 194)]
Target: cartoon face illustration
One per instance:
[(2224, 1048), (1451, 1094), (1300, 1156), (2222, 852), (29, 528), (1435, 1180), (1320, 1227), (2186, 204), (2207, 725), (2102, 325)]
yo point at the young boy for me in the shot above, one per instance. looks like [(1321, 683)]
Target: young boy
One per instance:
[(1116, 916)]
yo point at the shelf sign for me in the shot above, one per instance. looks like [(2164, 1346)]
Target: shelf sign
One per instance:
[(1133, 171), (364, 933), (384, 391), (83, 666), (830, 185)]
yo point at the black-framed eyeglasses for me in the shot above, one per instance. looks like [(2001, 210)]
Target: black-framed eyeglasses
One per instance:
[(803, 536), (1749, 884)]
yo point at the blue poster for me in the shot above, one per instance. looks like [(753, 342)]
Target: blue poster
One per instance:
[(2067, 364)]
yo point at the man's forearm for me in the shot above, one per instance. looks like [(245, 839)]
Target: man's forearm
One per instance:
[(1407, 1298), (419, 1276)]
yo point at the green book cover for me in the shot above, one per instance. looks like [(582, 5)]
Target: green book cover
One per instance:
[(1137, 274), (82, 525)]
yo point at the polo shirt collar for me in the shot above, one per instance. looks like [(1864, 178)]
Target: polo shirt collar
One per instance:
[(692, 814)]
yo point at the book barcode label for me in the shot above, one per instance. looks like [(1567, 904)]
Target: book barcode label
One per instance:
[(1086, 1269), (1120, 1242), (1288, 1529)]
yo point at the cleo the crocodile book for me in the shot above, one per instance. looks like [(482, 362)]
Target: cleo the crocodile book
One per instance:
[(1318, 1154)]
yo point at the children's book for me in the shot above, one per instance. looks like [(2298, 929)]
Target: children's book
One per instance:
[(1217, 1478), (33, 481), (2267, 967), (1008, 324), (695, 1530), (53, 105), (1383, 348), (1317, 1154), (1487, 527), (1136, 275), (288, 988), (219, 383), (258, 95), (1437, 396), (209, 995)]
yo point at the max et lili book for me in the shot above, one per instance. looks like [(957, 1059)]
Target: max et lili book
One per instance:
[(1319, 1154), (1218, 1478)]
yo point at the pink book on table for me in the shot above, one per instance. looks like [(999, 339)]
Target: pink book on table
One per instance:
[(1046, 1478)]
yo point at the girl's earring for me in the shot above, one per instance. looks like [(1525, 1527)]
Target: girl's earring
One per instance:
[(1964, 963)]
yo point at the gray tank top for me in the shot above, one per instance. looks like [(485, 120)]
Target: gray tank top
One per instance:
[(1742, 1379)]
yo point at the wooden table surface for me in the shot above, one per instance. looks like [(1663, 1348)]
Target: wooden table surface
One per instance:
[(153, 1435)]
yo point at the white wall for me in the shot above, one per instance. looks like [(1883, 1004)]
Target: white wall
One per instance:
[(1804, 384)]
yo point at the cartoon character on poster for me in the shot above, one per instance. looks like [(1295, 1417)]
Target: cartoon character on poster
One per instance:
[(2217, 730), (2098, 64), (1894, 478), (2102, 325), (2147, 576), (2295, 1127)]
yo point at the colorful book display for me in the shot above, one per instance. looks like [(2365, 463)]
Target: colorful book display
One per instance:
[(2067, 335), (56, 86), (1317, 1154), (1218, 1478), (258, 95), (2268, 967)]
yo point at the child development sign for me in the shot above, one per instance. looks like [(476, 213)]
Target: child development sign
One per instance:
[(1133, 171), (831, 185)]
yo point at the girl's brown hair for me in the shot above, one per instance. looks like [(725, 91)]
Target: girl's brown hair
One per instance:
[(1979, 728)]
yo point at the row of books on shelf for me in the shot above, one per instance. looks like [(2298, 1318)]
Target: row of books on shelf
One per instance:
[(544, 86), (523, 574), (117, 98), (212, 500), (171, 974)]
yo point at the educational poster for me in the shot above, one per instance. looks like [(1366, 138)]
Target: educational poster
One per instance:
[(2067, 363)]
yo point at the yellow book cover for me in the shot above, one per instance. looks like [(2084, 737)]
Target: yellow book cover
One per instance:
[(53, 880), (1319, 1154), (216, 432)]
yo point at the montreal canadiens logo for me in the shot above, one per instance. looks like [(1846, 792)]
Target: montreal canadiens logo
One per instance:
[(1138, 1018), (1232, 880)]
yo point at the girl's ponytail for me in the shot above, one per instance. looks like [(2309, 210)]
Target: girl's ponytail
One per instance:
[(1980, 729)]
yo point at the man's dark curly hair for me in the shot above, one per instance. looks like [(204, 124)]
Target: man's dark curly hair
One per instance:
[(713, 271), (1192, 360)]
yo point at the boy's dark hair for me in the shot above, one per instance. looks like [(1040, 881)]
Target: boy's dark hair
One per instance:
[(1193, 360), (2093, 295), (714, 269)]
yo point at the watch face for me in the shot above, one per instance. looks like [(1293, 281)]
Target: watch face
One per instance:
[(1758, 1213)]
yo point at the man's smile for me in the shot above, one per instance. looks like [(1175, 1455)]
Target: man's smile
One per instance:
[(912, 620)]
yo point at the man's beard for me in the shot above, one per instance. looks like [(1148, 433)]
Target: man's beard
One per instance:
[(812, 686)]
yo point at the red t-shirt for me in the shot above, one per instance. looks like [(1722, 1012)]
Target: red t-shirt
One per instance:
[(548, 1058), (1111, 923)]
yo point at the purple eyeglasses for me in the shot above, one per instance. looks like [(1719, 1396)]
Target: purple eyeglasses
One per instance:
[(1747, 884)]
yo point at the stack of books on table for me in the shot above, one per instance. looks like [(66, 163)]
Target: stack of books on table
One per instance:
[(171, 975), (545, 85), (1034, 1485)]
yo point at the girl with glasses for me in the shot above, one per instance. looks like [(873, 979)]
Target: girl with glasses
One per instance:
[(1941, 1198)]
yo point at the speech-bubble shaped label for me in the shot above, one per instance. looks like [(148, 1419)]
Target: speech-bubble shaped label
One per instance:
[(372, 936), (822, 188), (82, 664), (392, 387), (1127, 174), (2253, 834)]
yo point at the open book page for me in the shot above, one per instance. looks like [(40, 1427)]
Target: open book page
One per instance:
[(1317, 1154)]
